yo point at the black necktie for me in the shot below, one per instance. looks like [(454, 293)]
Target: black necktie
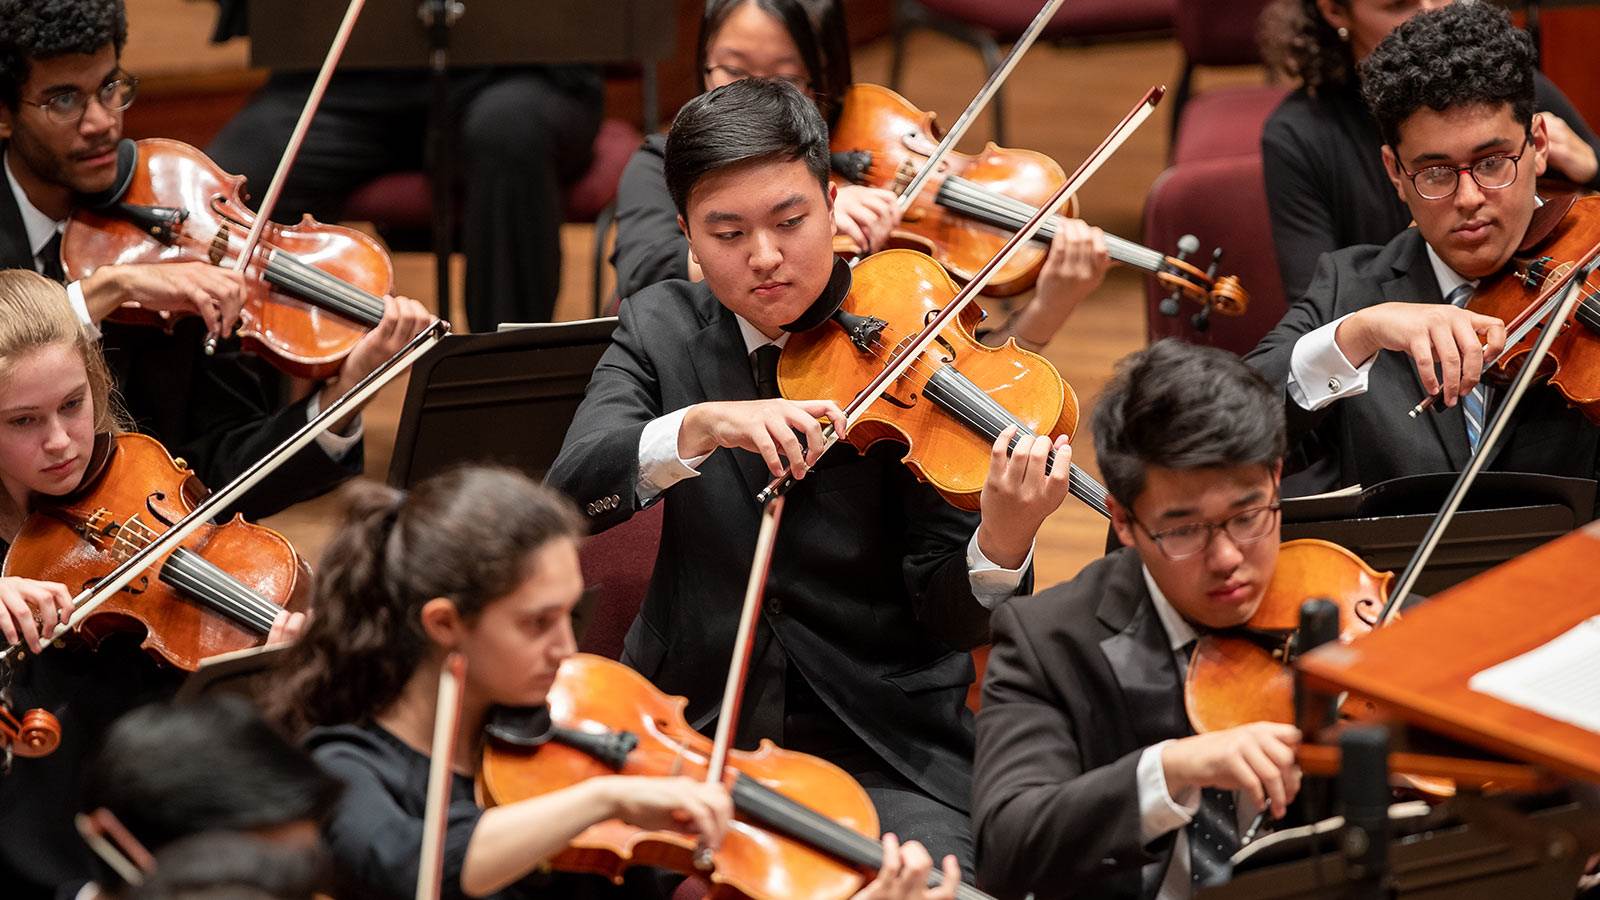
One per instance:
[(1213, 837), (764, 364), (50, 259)]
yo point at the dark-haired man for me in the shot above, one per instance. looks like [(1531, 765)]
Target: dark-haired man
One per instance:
[(1089, 781), (878, 586), (62, 96), (1382, 327)]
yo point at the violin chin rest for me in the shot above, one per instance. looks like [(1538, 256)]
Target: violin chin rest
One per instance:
[(823, 308)]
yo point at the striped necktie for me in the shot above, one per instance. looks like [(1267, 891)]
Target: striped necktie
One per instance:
[(1475, 402)]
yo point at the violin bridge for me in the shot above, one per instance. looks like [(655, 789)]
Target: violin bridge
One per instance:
[(219, 245), (120, 539)]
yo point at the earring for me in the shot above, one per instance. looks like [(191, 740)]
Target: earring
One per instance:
[(1344, 34)]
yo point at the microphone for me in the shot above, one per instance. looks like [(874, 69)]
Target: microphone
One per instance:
[(1364, 787)]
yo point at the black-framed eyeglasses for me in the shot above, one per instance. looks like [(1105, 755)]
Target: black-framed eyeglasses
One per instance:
[(1243, 527), (1492, 173), (68, 107), (729, 74)]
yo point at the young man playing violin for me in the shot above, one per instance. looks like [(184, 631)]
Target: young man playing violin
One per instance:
[(1381, 328), (62, 97), (1089, 781), (878, 587)]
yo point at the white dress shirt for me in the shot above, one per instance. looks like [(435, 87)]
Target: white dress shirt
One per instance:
[(41, 228), (660, 467), (1319, 374)]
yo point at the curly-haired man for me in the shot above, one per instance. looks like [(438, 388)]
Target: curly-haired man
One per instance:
[(1382, 327)]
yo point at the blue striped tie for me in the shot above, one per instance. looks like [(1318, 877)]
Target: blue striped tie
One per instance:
[(1473, 404)]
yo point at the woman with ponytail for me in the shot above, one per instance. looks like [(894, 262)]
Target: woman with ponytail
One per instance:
[(483, 562)]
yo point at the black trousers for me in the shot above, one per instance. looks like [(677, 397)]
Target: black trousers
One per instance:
[(522, 134)]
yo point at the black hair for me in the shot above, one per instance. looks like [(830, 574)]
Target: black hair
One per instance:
[(1463, 54), (467, 534), (1298, 43), (40, 29), (1182, 406), (229, 866), (170, 770), (817, 29), (754, 120)]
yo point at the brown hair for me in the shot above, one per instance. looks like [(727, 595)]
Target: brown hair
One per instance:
[(468, 534), (1298, 43), (34, 314)]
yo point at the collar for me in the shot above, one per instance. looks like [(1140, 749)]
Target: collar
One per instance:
[(1179, 631), (754, 339), (41, 228), (1447, 277)]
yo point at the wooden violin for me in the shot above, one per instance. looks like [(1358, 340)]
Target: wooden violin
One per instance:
[(953, 403), (314, 289), (973, 203), (36, 734), (219, 591), (802, 827)]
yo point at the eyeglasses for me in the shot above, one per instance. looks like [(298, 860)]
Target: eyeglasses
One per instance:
[(68, 107), (1491, 173), (725, 74), (1243, 527)]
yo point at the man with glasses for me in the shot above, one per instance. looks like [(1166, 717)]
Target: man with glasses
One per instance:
[(1089, 780), (1381, 328)]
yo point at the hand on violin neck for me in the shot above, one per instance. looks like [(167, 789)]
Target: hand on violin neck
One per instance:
[(1257, 759), (1447, 344), (785, 433), (403, 318), (1075, 267), (1019, 494), (215, 294), (1570, 155), (287, 627), (865, 215), (904, 874)]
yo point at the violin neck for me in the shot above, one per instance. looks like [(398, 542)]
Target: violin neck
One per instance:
[(199, 579), (304, 281), (993, 208)]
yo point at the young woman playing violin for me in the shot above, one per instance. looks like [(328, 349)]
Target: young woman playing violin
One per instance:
[(55, 398), (805, 43), (394, 598)]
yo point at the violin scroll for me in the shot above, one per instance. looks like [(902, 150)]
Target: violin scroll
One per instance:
[(36, 734)]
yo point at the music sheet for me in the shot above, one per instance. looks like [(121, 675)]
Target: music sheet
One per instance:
[(1560, 679)]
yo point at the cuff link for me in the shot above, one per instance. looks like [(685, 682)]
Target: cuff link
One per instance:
[(1334, 384)]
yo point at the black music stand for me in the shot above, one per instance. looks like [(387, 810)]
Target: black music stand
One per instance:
[(505, 398), (1505, 515), (437, 35)]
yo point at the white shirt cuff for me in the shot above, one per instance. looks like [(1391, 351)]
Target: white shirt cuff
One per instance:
[(660, 467), (992, 583), (334, 444), (1159, 811), (1318, 371), (80, 308)]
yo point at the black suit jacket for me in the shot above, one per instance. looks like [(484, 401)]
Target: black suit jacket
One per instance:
[(1368, 439), (869, 596), (219, 413), (1081, 680)]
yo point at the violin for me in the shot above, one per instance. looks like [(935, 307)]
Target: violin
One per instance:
[(954, 401), (313, 290), (217, 592), (802, 827), (974, 202), (36, 734), (1563, 234)]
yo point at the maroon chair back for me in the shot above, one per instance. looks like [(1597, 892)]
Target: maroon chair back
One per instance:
[(1184, 200), (1219, 32), (616, 569)]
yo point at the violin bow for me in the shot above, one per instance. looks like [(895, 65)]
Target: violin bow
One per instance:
[(958, 129), (92, 597), (269, 200), (435, 817), (115, 845), (1566, 292), (912, 351)]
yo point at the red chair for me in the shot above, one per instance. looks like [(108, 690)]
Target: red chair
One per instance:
[(1214, 33), (985, 24), (616, 569), (1224, 122), (399, 204), (1185, 200)]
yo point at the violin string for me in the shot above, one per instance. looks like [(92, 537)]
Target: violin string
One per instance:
[(1014, 213), (203, 581), (315, 286), (222, 583)]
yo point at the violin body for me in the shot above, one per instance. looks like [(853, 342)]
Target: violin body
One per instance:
[(216, 593), (899, 138), (312, 287), (597, 697), (1573, 365), (903, 289), (1234, 680)]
